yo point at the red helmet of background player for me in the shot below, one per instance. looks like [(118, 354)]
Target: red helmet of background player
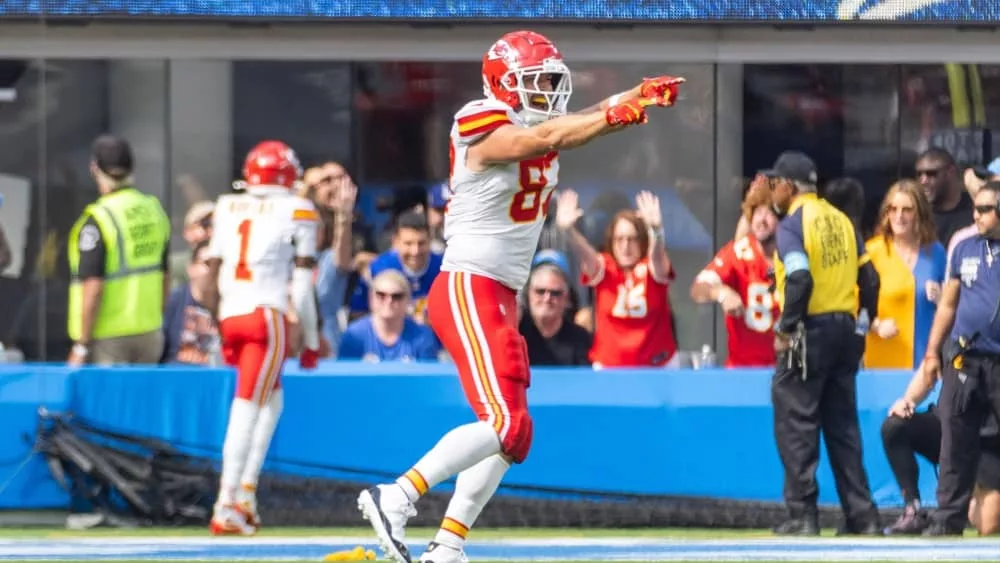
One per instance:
[(271, 163), (513, 73)]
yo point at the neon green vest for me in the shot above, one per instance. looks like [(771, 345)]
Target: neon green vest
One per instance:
[(135, 231)]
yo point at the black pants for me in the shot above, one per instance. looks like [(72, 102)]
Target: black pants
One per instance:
[(968, 395), (826, 399), (905, 438)]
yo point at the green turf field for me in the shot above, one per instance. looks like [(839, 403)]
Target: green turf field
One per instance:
[(287, 544)]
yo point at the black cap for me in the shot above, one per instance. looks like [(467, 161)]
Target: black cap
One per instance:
[(113, 156), (795, 166)]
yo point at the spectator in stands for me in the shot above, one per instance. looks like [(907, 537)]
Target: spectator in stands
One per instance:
[(334, 263), (740, 278), (410, 254), (116, 297), (197, 229), (911, 268), (388, 333), (944, 187), (437, 200), (632, 317), (190, 333), (319, 185), (551, 336)]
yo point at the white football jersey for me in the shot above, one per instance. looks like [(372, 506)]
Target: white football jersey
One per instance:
[(494, 217), (258, 235)]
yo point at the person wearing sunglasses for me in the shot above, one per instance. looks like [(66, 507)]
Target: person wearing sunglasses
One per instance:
[(945, 189), (552, 338), (388, 333), (964, 351)]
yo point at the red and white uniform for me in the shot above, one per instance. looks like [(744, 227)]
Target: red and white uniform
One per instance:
[(632, 317), (491, 228), (492, 224), (494, 217), (257, 235), (742, 266)]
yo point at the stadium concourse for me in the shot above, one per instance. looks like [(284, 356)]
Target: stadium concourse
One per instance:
[(555, 546)]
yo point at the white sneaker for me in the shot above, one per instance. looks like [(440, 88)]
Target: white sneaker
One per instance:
[(387, 509), (440, 553)]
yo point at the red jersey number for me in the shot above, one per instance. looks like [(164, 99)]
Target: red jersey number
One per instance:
[(534, 178)]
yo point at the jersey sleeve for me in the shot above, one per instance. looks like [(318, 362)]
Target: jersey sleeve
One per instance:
[(477, 119), (92, 251), (306, 219), (791, 244), (720, 270)]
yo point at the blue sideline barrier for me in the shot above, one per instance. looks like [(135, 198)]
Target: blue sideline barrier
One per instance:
[(705, 433)]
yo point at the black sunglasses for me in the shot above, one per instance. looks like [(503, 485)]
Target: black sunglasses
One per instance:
[(984, 209), (394, 296), (540, 291)]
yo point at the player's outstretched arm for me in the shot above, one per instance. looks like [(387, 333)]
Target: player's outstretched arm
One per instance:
[(510, 143)]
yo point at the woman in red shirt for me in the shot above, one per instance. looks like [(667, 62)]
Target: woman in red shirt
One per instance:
[(633, 326)]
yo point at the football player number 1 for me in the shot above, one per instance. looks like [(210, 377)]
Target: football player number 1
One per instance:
[(243, 272), (528, 201)]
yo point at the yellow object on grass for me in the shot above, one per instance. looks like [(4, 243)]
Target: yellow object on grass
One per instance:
[(357, 554)]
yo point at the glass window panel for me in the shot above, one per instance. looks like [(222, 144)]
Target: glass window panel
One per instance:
[(23, 284)]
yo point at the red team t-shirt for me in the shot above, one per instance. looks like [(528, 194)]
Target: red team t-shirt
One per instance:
[(741, 265), (632, 324)]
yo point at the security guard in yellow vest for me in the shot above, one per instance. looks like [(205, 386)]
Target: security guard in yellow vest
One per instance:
[(118, 256), (820, 261)]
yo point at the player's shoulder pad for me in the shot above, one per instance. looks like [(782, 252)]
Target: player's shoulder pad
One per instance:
[(302, 209), (479, 118)]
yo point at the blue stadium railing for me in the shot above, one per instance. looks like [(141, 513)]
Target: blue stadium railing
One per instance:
[(703, 433)]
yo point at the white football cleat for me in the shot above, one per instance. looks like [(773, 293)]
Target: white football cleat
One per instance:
[(440, 553), (230, 521), (387, 510)]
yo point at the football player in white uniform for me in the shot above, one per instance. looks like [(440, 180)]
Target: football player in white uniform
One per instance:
[(262, 238), (504, 167)]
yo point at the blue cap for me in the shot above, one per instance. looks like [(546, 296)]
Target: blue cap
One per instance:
[(994, 167), (549, 256), (438, 195)]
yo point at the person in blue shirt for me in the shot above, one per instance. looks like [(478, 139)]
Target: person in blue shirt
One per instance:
[(411, 254), (190, 333), (968, 318), (388, 333)]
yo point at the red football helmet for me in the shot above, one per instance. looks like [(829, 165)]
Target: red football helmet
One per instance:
[(271, 163), (524, 70)]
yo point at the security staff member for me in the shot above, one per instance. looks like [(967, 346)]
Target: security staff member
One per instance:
[(118, 256), (968, 315), (820, 260)]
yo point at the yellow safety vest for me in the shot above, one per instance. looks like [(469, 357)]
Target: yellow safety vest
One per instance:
[(135, 231)]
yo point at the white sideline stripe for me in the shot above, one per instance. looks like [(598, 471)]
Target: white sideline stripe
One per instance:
[(759, 542)]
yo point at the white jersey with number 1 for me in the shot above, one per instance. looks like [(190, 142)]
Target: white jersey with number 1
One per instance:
[(257, 235), (494, 217)]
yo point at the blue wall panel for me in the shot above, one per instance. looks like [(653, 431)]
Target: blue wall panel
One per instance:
[(703, 433)]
